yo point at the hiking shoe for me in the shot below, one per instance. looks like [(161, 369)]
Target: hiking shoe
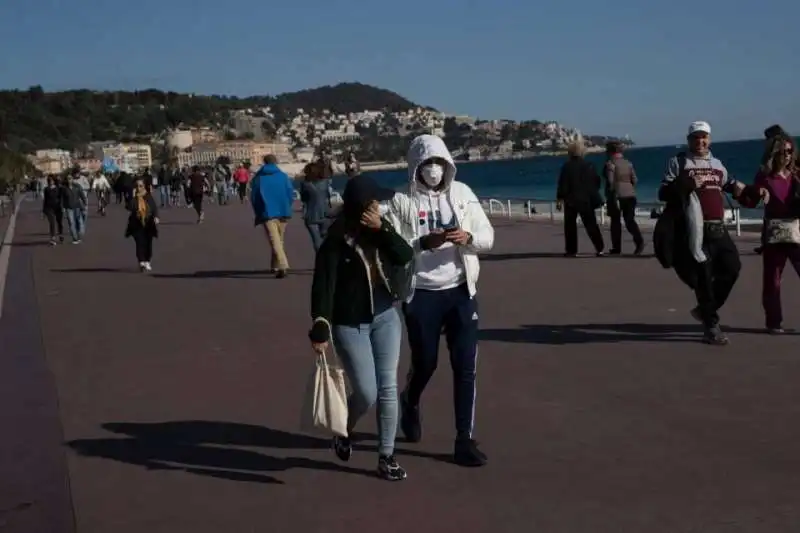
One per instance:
[(342, 447), (410, 421), (389, 470), (715, 337), (467, 453)]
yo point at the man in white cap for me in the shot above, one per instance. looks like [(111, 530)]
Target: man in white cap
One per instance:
[(697, 176)]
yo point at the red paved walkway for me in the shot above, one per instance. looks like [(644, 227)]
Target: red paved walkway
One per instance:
[(180, 393)]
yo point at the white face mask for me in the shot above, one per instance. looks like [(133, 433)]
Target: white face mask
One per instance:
[(432, 175)]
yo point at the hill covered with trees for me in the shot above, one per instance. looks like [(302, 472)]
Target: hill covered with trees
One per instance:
[(34, 119)]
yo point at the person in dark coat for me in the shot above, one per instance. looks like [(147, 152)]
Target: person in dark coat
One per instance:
[(53, 210), (578, 195), (142, 223)]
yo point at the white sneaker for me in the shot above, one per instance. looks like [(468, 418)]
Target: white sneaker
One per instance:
[(147, 266), (142, 266)]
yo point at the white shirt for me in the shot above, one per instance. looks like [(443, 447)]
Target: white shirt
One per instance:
[(441, 268)]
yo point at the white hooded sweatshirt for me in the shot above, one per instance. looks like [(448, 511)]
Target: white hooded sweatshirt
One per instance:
[(419, 210)]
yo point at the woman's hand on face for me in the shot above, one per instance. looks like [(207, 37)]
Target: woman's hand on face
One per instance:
[(371, 218), (319, 347)]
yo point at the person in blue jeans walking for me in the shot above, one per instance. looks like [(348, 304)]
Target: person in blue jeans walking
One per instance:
[(75, 202), (352, 302), (315, 193)]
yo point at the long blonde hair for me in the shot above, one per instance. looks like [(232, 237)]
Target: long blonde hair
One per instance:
[(774, 158)]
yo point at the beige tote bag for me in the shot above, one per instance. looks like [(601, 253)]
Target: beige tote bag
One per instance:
[(325, 405)]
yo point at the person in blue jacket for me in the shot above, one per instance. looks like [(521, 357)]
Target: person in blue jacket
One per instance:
[(272, 197)]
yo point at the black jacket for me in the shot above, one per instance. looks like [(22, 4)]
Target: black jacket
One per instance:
[(51, 199), (135, 224), (341, 292), (579, 185)]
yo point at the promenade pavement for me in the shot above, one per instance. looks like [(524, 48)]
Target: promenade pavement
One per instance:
[(170, 402)]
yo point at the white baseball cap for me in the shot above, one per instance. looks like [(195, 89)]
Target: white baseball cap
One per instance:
[(699, 126)]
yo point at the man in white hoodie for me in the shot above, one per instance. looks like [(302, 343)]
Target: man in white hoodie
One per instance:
[(444, 221)]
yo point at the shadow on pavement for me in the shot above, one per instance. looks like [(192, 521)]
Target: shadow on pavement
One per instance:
[(556, 334)]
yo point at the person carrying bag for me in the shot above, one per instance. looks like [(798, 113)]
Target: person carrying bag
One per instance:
[(353, 304), (325, 406)]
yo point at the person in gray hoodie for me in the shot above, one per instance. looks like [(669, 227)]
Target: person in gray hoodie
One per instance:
[(698, 180), (445, 223)]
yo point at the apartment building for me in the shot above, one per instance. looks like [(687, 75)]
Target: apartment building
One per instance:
[(238, 151), (52, 161), (142, 154)]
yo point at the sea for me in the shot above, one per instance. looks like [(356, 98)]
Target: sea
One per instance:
[(535, 179)]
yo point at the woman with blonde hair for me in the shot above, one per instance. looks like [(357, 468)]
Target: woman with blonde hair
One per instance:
[(777, 185), (578, 195), (142, 223)]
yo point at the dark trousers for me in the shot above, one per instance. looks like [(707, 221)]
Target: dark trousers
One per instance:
[(625, 211), (55, 219), (144, 245), (774, 257), (197, 203), (242, 191), (716, 276), (425, 316), (589, 220)]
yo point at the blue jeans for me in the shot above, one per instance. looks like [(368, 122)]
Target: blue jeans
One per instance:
[(76, 220), (317, 231), (163, 191), (370, 354)]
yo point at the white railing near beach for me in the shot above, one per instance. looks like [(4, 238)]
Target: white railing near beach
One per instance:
[(542, 209)]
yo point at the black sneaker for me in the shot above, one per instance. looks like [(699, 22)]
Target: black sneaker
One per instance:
[(715, 337), (280, 274), (614, 251), (410, 421), (389, 469), (467, 453), (639, 249), (342, 447)]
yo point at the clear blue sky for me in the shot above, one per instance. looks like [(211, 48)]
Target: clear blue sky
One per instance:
[(642, 68)]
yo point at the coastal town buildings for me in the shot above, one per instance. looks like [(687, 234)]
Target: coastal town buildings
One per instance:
[(236, 151), (52, 161), (250, 134)]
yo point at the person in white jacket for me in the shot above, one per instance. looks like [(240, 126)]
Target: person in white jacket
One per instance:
[(102, 189), (444, 222)]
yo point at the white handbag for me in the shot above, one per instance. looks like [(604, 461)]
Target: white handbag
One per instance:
[(325, 405)]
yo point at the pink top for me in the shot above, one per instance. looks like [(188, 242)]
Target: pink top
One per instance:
[(780, 192), (241, 175)]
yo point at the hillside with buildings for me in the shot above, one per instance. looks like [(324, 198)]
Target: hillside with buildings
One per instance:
[(136, 129)]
